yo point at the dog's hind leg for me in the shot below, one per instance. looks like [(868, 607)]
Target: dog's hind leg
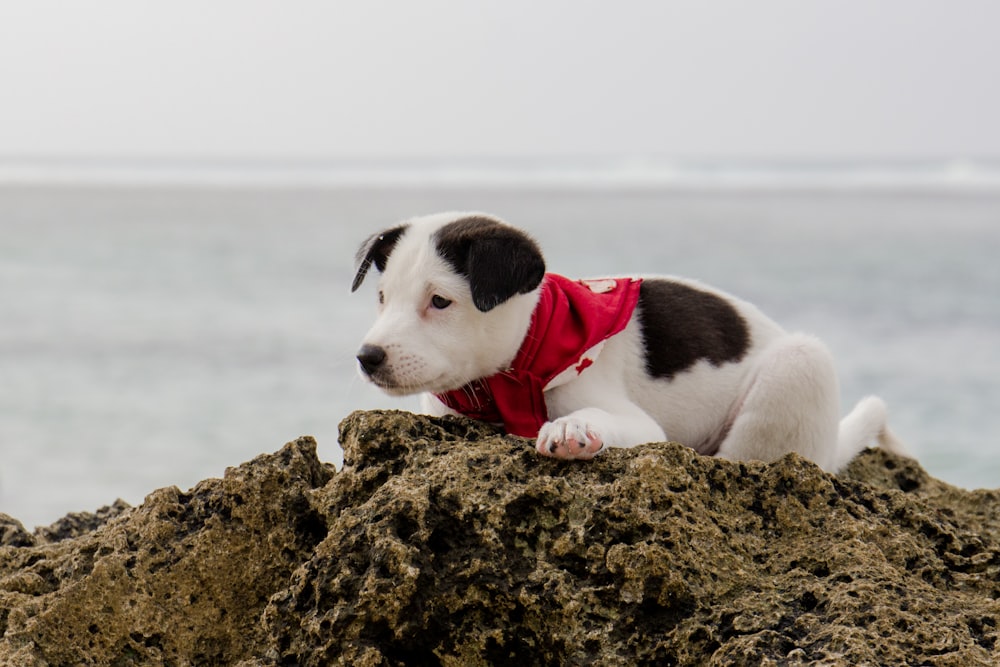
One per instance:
[(791, 404)]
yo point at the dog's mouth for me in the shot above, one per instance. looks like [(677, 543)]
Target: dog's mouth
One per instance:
[(407, 374), (395, 387)]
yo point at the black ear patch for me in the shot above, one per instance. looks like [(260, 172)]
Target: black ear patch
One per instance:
[(375, 251), (498, 260)]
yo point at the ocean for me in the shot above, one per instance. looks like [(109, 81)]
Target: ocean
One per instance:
[(155, 331)]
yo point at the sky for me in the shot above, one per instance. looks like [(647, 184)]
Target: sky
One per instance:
[(727, 79)]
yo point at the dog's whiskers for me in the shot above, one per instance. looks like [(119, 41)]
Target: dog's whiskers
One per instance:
[(471, 393)]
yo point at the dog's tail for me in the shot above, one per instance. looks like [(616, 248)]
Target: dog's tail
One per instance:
[(865, 425)]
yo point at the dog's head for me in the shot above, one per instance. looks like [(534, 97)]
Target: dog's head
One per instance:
[(455, 296)]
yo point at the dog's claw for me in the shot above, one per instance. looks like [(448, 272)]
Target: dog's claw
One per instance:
[(569, 438)]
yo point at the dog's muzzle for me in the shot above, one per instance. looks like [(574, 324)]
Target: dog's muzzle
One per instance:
[(371, 358)]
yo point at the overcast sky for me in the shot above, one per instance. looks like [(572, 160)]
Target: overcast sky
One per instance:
[(789, 79)]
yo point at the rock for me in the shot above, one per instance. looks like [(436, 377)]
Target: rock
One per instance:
[(442, 542), (12, 533), (181, 579), (79, 523)]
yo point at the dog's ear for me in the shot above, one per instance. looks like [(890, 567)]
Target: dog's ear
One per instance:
[(375, 250), (499, 261)]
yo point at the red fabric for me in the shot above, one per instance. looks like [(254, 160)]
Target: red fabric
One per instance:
[(570, 319)]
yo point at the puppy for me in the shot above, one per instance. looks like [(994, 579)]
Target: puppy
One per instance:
[(468, 315)]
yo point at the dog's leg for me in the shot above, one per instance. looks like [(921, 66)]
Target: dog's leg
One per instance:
[(593, 411), (585, 432), (791, 405)]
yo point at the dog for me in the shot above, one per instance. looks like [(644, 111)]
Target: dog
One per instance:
[(468, 316)]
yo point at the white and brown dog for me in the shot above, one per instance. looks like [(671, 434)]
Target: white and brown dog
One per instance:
[(468, 315)]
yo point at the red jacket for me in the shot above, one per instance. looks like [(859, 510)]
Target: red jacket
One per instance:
[(571, 318)]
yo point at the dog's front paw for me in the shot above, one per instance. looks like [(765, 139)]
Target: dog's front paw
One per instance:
[(568, 438)]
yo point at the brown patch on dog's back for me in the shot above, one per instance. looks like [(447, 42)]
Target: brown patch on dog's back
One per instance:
[(682, 325)]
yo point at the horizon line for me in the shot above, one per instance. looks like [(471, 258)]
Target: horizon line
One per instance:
[(621, 171)]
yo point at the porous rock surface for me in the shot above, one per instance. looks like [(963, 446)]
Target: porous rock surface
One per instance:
[(441, 542)]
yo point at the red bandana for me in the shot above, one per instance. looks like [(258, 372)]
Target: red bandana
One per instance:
[(572, 316)]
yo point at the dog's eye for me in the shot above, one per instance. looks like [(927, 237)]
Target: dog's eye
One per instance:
[(440, 302)]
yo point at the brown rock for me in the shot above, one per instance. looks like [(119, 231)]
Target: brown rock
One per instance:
[(180, 580), (443, 542)]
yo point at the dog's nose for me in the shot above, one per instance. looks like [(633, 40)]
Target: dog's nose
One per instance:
[(371, 357)]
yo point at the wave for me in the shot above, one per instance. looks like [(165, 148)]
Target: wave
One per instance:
[(610, 173)]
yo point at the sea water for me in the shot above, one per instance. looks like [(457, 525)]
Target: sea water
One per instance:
[(152, 335)]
